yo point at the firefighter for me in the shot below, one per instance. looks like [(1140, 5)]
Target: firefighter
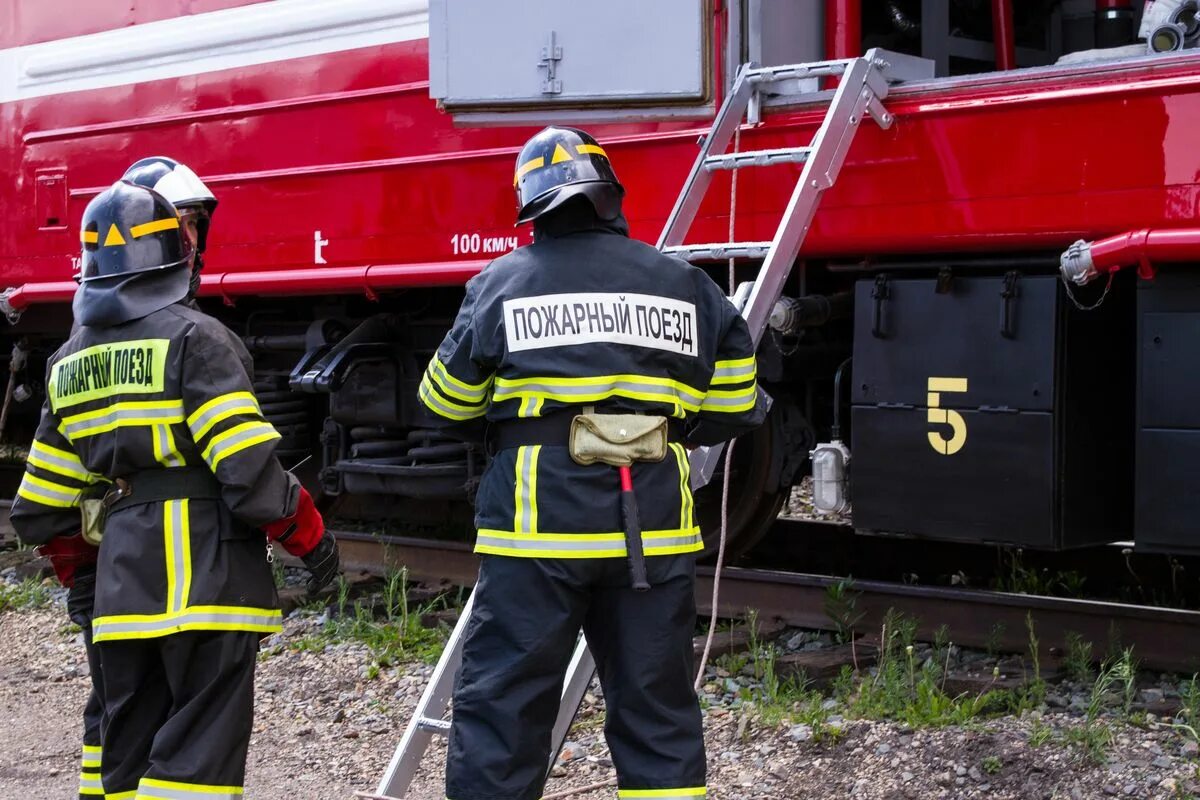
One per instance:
[(152, 431), (195, 204), (596, 361)]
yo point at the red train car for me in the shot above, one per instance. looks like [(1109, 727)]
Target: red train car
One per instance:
[(353, 206)]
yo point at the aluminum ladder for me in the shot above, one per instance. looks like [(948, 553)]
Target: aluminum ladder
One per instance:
[(862, 85)]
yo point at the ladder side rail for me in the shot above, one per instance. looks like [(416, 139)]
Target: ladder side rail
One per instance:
[(432, 705), (579, 677), (717, 140), (829, 148)]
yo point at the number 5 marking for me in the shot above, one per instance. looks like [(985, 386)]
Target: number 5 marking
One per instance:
[(945, 416)]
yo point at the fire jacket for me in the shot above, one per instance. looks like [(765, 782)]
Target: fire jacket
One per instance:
[(592, 318), (168, 392)]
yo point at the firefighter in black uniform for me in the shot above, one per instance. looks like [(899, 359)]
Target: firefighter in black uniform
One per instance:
[(195, 204), (151, 429), (585, 323)]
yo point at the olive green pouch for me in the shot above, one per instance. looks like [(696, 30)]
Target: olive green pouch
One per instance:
[(92, 512), (618, 439)]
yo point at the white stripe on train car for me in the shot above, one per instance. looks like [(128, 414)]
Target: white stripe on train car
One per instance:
[(191, 45)]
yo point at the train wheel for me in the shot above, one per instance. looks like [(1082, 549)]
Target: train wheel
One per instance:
[(754, 494)]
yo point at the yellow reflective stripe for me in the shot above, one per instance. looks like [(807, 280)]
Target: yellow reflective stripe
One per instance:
[(593, 149), (664, 794), (90, 783), (177, 544), (600, 387), (89, 237), (61, 462), (165, 451), (529, 166), (472, 393), (146, 228), (131, 413), (237, 439), (443, 407), (738, 370), (91, 755), (221, 408), (194, 618), (121, 795), (47, 493), (731, 401), (525, 490), (584, 545), (686, 501), (530, 407), (177, 790)]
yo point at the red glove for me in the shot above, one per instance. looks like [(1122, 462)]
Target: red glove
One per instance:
[(66, 553), (300, 532)]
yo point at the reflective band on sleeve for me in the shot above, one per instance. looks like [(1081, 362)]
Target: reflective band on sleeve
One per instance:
[(221, 408), (443, 407), (472, 394), (121, 415), (525, 493), (689, 793), (90, 784), (584, 545), (47, 493), (735, 371), (60, 462), (178, 548), (237, 439), (177, 790), (197, 618), (733, 401), (601, 387), (91, 756)]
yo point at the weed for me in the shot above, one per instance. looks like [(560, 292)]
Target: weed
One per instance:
[(277, 570), (1078, 661), (992, 764), (1092, 739), (994, 637), (28, 594), (1035, 690), (841, 606), (1040, 733), (1189, 698)]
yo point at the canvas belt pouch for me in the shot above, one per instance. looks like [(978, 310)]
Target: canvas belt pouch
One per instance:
[(617, 439), (92, 512)]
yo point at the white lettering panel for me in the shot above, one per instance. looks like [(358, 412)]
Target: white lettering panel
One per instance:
[(563, 320)]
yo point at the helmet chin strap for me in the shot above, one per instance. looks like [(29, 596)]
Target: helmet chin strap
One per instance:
[(194, 281)]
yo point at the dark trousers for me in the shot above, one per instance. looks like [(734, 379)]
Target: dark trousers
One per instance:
[(527, 615), (90, 787), (178, 714)]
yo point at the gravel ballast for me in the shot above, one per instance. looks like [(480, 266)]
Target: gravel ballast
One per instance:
[(326, 726)]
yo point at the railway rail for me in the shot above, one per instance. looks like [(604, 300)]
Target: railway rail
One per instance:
[(1165, 639)]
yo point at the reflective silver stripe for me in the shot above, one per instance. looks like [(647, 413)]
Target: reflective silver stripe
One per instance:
[(730, 374), (171, 790), (108, 627), (678, 392), (735, 399), (91, 756), (199, 425), (178, 576), (571, 546), (60, 462), (526, 485), (443, 407), (73, 427), (89, 783), (453, 387), (47, 492), (253, 433), (686, 540), (689, 793), (532, 543)]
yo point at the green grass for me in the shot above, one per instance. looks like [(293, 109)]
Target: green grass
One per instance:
[(27, 594), (395, 637)]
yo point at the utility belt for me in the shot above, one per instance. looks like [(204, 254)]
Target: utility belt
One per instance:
[(554, 430), (147, 486), (598, 437)]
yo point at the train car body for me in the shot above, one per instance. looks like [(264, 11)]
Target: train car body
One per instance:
[(353, 207)]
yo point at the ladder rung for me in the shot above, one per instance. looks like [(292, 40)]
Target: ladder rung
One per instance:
[(758, 158), (441, 726), (817, 69), (717, 251)]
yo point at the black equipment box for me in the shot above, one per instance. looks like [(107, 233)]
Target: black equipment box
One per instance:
[(1167, 504), (990, 409)]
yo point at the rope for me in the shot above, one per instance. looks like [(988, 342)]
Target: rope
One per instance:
[(716, 595)]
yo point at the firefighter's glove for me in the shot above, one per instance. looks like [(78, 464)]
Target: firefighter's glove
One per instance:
[(81, 597), (322, 562), (300, 533), (67, 554)]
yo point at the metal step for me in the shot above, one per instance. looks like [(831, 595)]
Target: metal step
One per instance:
[(817, 69), (758, 158), (441, 726), (719, 250)]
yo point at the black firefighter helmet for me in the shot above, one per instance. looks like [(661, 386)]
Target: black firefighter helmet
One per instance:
[(560, 163), (180, 185), (135, 258)]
